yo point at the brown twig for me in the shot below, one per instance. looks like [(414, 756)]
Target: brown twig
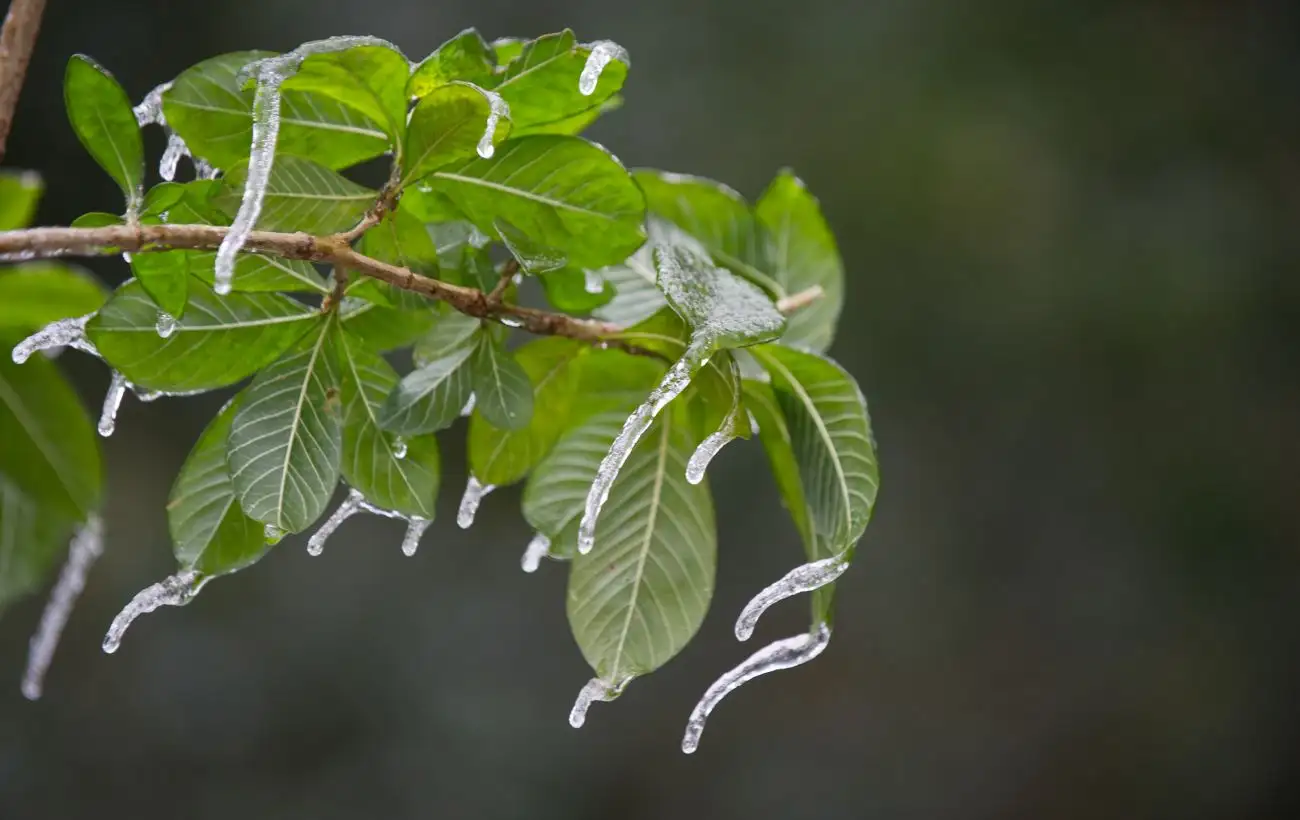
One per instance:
[(17, 39), (332, 299), (508, 271)]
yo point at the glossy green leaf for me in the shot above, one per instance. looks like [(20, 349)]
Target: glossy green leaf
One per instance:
[(465, 57), (723, 310), (220, 340), (506, 49), (20, 191), (401, 239), (566, 290), (34, 294), (774, 434), (451, 330), (287, 435), (164, 275), (97, 219), (557, 490), (31, 539), (503, 394), (392, 473), (563, 192), (214, 115), (636, 296), (640, 595), (803, 254), (101, 116), (304, 196), (541, 84), (384, 328), (431, 397), (370, 79), (47, 445), (162, 197), (446, 126), (210, 532), (577, 123), (258, 273), (532, 256)]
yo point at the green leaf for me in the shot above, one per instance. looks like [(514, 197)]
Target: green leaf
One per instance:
[(563, 192), (97, 219), (577, 123), (387, 328), (209, 530), (36, 293), (162, 197), (447, 125), (566, 290), (370, 79), (636, 296), (465, 57), (640, 595), (715, 400), (286, 438), (451, 331), (214, 115), (402, 240), (803, 255), (47, 445), (431, 397), (394, 474), (303, 196), (503, 394), (257, 273), (31, 539), (724, 311), (506, 49), (20, 191), (220, 340), (827, 431), (100, 113), (531, 256), (774, 434), (541, 84), (164, 275)]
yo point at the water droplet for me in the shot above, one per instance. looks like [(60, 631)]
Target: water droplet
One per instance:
[(399, 447), (272, 534), (166, 324)]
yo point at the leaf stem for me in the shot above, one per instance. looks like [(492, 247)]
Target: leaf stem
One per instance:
[(17, 39)]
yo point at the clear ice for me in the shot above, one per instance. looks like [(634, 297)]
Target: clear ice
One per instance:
[(474, 492), (63, 333), (596, 689), (603, 52), (171, 157), (468, 408), (783, 654), (355, 503), (149, 111), (415, 528), (166, 324), (497, 108), (87, 545), (112, 401), (537, 550), (593, 282), (174, 590), (805, 578), (399, 447)]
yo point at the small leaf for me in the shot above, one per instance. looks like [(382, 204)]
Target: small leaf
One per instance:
[(532, 257), (97, 219), (395, 475), (430, 398), (577, 123), (447, 125), (384, 328), (214, 115), (370, 79), (20, 191), (568, 291), (36, 293), (162, 197), (31, 539), (209, 530), (465, 57), (636, 296), (286, 438), (502, 391), (304, 196), (164, 275), (506, 50), (402, 240), (451, 331), (220, 340), (562, 192), (100, 113), (541, 84)]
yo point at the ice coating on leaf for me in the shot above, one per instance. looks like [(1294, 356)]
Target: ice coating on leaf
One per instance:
[(474, 492), (87, 545), (112, 401), (149, 111), (272, 534), (399, 447), (497, 108), (166, 324), (174, 590), (718, 305), (468, 408), (804, 578), (355, 503), (415, 527), (171, 157), (535, 552), (782, 654), (593, 282), (596, 689), (63, 333), (603, 52)]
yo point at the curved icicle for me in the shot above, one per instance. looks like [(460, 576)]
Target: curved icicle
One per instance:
[(149, 111), (174, 590), (603, 52), (804, 578), (596, 689), (415, 527), (783, 654), (63, 333), (171, 157), (535, 552), (355, 503), (474, 492), (86, 547), (112, 401), (497, 108), (266, 131)]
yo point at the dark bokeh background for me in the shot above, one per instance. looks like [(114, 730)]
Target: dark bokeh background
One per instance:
[(1071, 234)]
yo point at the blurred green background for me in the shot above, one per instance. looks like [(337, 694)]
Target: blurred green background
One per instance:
[(1071, 232)]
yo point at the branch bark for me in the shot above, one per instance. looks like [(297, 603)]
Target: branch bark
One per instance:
[(17, 39)]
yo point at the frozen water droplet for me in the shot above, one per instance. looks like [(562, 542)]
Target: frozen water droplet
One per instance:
[(474, 492), (149, 111), (596, 689), (174, 590), (415, 528), (593, 282), (346, 509), (510, 321), (127, 257), (782, 654), (497, 108), (172, 156), (704, 454), (804, 578), (535, 552), (399, 447), (166, 324), (63, 333), (477, 239), (468, 408), (272, 534), (112, 401), (87, 545), (603, 52)]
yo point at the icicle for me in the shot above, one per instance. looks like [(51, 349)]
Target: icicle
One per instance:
[(596, 689), (166, 324), (474, 492), (805, 578), (705, 452), (63, 333), (782, 654), (468, 408), (86, 547), (536, 551), (172, 156), (497, 108), (272, 534), (174, 590), (149, 111), (415, 528), (266, 130), (399, 447), (603, 52), (112, 401), (202, 170), (593, 282), (348, 508), (674, 382)]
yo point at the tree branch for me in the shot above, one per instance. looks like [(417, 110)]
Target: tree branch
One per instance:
[(17, 40)]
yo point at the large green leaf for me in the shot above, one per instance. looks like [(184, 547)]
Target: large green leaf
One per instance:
[(431, 397), (221, 339), (723, 311), (370, 79), (447, 125), (101, 116), (257, 273), (303, 196), (542, 83), (803, 255), (401, 239), (570, 290), (451, 330), (392, 473), (31, 538), (214, 115), (47, 446), (465, 57), (503, 393), (637, 598), (36, 293), (557, 490), (636, 296), (384, 328), (164, 275), (563, 192), (286, 438), (19, 193), (210, 532)]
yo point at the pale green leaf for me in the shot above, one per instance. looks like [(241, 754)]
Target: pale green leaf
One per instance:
[(446, 126), (451, 330), (370, 79), (636, 296), (466, 57), (304, 196), (567, 291), (36, 293), (430, 397), (101, 116), (504, 396), (20, 191), (384, 328)]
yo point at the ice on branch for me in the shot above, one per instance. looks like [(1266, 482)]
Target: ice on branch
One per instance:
[(355, 503), (174, 590)]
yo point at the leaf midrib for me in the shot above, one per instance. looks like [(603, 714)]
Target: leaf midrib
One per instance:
[(297, 417)]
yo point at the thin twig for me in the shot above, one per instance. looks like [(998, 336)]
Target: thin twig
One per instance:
[(798, 301), (508, 271), (17, 40), (335, 296)]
